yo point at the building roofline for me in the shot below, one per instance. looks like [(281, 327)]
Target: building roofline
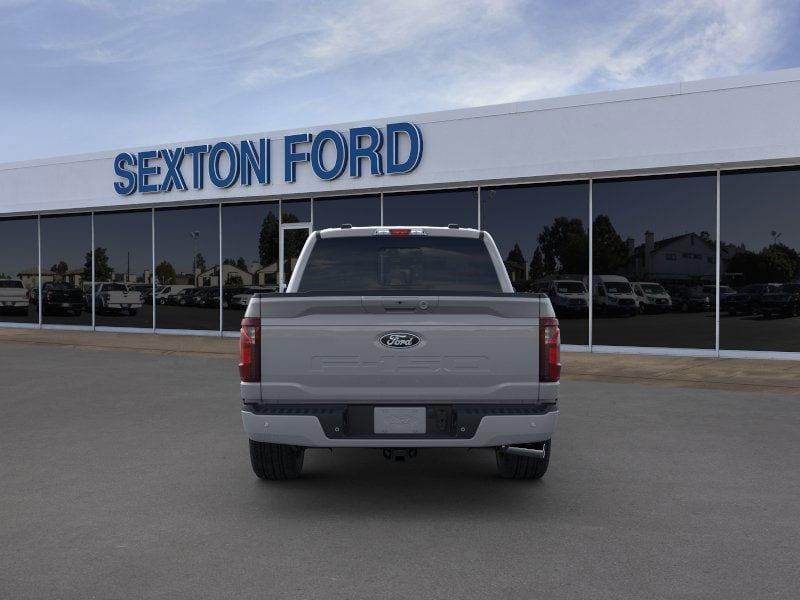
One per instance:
[(556, 103)]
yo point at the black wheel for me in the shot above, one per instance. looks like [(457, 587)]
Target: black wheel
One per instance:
[(685, 307), (276, 461), (511, 466)]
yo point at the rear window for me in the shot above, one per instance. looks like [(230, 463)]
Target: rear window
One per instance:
[(395, 264), (10, 283)]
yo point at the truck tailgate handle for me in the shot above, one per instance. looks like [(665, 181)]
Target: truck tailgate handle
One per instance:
[(396, 304)]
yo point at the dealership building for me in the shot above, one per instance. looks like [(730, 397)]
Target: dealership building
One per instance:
[(680, 202)]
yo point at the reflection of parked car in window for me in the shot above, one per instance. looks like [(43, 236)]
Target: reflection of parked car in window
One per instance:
[(785, 301), (241, 301), (62, 297), (569, 297), (613, 294), (747, 299), (181, 297), (690, 299), (114, 298), (164, 292), (204, 297), (651, 297), (141, 288), (725, 292), (14, 298)]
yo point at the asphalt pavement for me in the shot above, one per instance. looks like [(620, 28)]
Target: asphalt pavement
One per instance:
[(126, 475)]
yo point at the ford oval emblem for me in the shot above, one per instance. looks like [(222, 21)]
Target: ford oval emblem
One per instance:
[(399, 339)]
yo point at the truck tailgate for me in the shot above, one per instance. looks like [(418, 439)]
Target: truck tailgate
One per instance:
[(328, 349)]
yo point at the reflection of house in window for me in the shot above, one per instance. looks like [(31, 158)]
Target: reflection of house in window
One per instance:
[(674, 259)]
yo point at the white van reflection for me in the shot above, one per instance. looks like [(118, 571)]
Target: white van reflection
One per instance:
[(613, 295)]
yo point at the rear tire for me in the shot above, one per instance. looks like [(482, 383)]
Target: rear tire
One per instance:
[(275, 462), (510, 466)]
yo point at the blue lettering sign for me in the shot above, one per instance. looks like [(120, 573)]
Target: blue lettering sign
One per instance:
[(291, 157), (197, 153), (339, 148), (128, 185), (173, 176), (227, 163), (414, 135), (371, 151), (254, 162), (233, 164), (146, 170)]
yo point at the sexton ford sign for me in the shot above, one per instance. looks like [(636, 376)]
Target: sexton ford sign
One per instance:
[(226, 164)]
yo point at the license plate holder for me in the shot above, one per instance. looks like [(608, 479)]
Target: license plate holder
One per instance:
[(399, 419)]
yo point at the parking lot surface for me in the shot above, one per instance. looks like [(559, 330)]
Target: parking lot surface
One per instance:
[(126, 475)]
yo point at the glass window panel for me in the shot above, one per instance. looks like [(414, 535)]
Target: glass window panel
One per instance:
[(760, 260), (654, 258), (123, 269), (66, 269), (250, 257), (19, 270), (187, 269), (543, 237), (432, 208), (296, 211), (359, 211), (397, 264)]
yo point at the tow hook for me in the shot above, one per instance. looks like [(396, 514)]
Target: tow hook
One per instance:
[(527, 452), (399, 454)]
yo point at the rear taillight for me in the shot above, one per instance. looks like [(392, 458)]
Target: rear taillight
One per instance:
[(250, 350), (549, 350)]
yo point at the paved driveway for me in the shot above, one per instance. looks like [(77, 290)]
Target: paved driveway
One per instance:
[(125, 475)]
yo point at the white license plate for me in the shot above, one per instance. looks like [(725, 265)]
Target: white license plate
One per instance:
[(395, 419), (65, 304)]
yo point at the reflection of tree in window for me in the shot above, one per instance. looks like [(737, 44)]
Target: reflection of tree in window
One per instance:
[(515, 265), (102, 270), (268, 241), (292, 243), (774, 263), (60, 268), (565, 246), (165, 273), (610, 250)]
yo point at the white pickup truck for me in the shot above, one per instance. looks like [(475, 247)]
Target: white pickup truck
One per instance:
[(13, 296), (399, 338), (114, 298)]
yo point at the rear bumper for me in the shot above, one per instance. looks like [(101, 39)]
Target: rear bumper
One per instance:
[(491, 430)]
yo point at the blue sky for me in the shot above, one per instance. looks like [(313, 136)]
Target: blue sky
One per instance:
[(86, 75)]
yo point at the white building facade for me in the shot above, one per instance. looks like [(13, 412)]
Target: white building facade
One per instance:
[(601, 184)]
